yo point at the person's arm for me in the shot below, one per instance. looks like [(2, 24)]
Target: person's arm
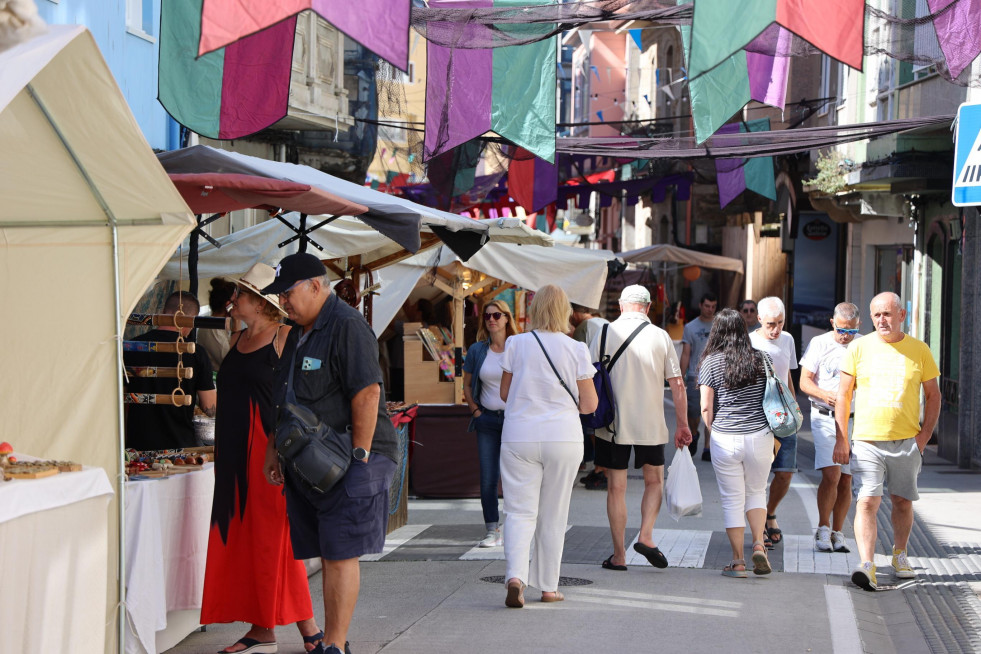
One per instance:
[(270, 468), (588, 400), (685, 358), (208, 402), (931, 412), (809, 386), (843, 410), (505, 384), (707, 396), (682, 434), (364, 416), (468, 394)]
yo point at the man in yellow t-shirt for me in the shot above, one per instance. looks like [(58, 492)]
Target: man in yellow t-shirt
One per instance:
[(886, 369)]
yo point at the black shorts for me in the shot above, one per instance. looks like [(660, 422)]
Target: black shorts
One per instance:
[(346, 522), (617, 457)]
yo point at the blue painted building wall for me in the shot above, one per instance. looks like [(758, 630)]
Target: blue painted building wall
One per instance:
[(131, 57)]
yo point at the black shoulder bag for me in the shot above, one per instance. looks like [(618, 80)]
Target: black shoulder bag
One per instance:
[(319, 455)]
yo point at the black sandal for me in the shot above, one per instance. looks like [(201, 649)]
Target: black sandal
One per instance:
[(314, 640), (773, 533)]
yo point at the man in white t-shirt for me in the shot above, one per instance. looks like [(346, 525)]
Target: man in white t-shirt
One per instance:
[(819, 377), (771, 338), (638, 377), (693, 340), (588, 323)]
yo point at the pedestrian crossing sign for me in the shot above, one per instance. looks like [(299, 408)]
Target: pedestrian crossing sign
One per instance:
[(966, 191)]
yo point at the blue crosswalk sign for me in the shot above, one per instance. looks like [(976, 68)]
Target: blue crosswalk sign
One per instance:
[(966, 190)]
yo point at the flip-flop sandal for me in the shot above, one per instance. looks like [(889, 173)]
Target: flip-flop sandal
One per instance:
[(252, 646), (610, 565), (653, 555), (314, 640), (730, 570)]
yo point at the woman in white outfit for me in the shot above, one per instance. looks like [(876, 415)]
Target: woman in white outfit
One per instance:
[(732, 379), (541, 444)]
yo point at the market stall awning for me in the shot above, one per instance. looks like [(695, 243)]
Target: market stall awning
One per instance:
[(224, 192), (684, 256), (403, 221)]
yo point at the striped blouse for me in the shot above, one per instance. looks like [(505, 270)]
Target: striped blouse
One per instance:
[(735, 411)]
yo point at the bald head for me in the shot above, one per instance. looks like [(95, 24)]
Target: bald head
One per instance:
[(888, 316)]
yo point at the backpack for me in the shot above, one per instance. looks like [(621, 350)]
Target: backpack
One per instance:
[(605, 414), (781, 409)]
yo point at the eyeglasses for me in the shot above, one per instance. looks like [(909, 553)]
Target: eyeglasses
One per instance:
[(846, 332), (286, 294), (494, 315), (748, 310)]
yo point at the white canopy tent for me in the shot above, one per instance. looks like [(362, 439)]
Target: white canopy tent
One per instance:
[(662, 252), (88, 218)]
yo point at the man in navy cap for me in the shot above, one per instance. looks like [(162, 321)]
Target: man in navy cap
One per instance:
[(334, 357)]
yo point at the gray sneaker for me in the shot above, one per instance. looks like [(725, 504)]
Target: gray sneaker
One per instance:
[(822, 539), (838, 542), (492, 539)]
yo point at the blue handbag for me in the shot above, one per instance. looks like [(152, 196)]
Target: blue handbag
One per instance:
[(781, 409)]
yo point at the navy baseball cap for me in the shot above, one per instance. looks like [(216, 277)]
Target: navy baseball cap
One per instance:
[(295, 268)]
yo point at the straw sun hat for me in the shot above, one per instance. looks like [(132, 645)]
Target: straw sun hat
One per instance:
[(259, 276)]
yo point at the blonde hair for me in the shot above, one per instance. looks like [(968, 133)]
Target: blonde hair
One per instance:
[(510, 327), (550, 310)]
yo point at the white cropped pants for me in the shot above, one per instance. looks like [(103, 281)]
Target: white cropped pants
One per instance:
[(742, 465), (537, 479)]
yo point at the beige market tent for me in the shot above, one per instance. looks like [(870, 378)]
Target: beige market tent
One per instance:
[(88, 218)]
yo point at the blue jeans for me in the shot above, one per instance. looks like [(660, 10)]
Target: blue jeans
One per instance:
[(489, 425)]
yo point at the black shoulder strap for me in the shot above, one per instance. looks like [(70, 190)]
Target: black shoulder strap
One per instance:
[(623, 347), (554, 369), (602, 352)]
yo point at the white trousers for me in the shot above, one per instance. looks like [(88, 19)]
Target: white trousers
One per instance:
[(537, 479), (742, 465)]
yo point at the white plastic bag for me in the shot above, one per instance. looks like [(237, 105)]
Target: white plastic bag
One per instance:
[(682, 493)]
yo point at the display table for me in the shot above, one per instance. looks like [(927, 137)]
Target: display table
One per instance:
[(167, 523), (443, 460), (54, 548)]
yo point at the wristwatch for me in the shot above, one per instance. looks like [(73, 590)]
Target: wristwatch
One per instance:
[(359, 454)]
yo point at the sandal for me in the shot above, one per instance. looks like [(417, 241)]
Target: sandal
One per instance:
[(773, 533), (730, 570), (252, 646), (314, 640), (761, 564), (516, 595), (557, 596)]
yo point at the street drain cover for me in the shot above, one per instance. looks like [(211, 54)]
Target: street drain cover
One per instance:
[(563, 581)]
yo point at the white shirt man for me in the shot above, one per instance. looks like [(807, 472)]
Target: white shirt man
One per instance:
[(771, 338), (819, 378)]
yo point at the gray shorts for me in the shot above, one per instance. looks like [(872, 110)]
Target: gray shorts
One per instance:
[(893, 464)]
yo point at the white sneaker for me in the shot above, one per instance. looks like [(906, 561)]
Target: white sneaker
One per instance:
[(822, 539), (492, 539), (900, 565), (838, 542)]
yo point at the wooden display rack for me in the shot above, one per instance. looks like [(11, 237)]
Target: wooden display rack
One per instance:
[(424, 384)]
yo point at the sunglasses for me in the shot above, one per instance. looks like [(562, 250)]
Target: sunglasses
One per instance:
[(286, 294), (494, 315), (847, 332), (748, 310)]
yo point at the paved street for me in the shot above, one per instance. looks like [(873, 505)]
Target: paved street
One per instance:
[(432, 590)]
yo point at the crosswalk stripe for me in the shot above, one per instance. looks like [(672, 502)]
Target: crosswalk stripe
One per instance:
[(398, 537)]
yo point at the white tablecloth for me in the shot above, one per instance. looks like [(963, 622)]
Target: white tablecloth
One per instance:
[(167, 522), (54, 562)]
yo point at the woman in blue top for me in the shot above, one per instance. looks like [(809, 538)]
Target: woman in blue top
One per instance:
[(482, 393), (732, 379)]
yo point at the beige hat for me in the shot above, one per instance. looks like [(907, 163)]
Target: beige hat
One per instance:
[(259, 276), (636, 294)]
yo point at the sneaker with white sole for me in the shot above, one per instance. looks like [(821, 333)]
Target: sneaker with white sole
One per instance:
[(492, 539), (864, 576), (822, 539), (838, 543), (900, 565)]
